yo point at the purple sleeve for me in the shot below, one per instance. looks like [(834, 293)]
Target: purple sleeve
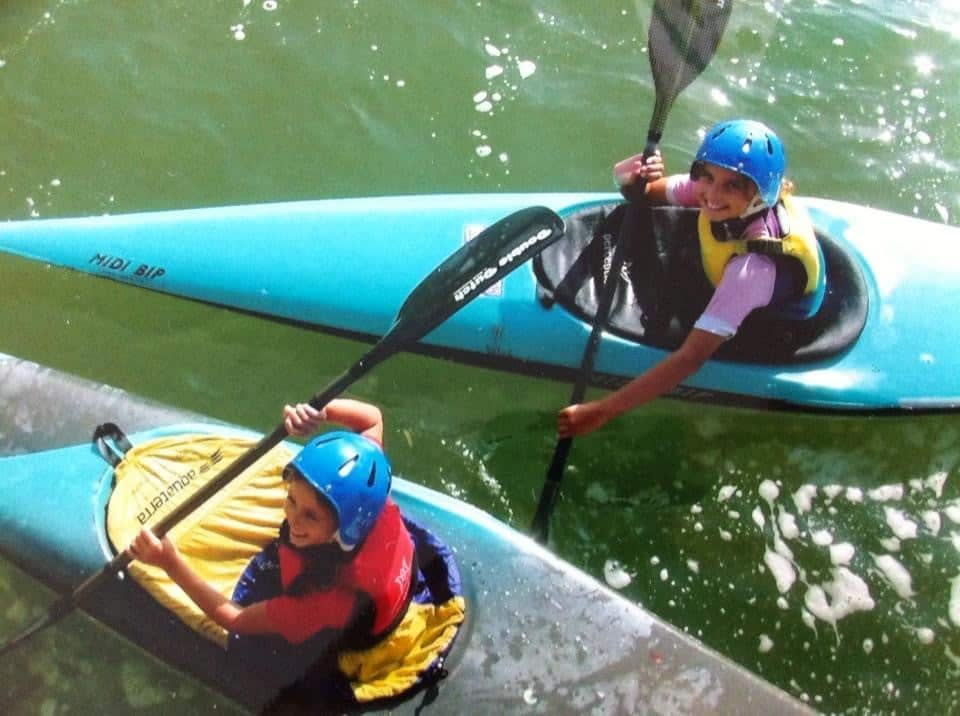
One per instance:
[(747, 284), (680, 190)]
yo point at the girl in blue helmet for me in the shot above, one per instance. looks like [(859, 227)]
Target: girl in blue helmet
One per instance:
[(757, 246), (341, 573)]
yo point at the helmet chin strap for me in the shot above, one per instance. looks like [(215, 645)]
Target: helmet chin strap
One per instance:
[(756, 205)]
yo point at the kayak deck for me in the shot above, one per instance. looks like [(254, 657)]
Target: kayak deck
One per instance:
[(364, 255), (540, 634)]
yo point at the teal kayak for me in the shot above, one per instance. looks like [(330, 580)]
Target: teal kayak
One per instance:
[(541, 635), (884, 340)]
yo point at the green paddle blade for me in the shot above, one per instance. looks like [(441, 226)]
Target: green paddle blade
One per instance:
[(682, 39)]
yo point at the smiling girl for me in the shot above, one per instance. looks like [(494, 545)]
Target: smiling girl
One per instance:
[(342, 573), (758, 250)]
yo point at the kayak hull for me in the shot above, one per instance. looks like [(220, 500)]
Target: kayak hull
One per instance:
[(346, 265), (538, 630)]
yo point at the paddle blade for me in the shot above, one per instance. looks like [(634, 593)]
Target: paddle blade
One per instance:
[(682, 39), (472, 269)]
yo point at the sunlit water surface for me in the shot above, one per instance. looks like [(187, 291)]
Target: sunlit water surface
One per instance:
[(819, 552)]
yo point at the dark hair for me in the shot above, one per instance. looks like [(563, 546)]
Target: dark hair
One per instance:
[(321, 565), (322, 562)]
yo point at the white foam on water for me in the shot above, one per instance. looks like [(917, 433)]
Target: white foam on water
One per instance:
[(803, 498), (781, 548), (726, 492), (936, 482), (782, 570), (953, 606), (788, 525), (526, 68), (831, 491), (886, 493), (896, 574), (725, 535), (854, 494), (891, 544), (932, 521), (899, 524), (845, 594), (821, 538), (766, 644), (769, 491), (493, 71), (953, 513), (925, 635), (615, 575), (842, 553), (758, 517)]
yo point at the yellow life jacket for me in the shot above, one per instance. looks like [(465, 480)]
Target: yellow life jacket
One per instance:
[(799, 243)]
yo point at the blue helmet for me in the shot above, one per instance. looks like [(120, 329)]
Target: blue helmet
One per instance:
[(353, 474), (749, 148)]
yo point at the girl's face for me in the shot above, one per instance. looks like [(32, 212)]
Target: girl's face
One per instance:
[(312, 520), (723, 194)]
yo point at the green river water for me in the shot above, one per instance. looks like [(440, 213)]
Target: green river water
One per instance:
[(114, 107)]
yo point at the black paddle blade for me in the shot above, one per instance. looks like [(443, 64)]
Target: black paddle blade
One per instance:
[(683, 37), (57, 612), (471, 270)]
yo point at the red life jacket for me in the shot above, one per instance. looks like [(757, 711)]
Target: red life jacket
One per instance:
[(378, 574)]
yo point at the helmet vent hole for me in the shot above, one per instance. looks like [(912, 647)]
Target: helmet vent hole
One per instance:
[(769, 147), (373, 476), (747, 143), (347, 467)]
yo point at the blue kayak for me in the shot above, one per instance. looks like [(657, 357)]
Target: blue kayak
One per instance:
[(884, 340), (541, 635)]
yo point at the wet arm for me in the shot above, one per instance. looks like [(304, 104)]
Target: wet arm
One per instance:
[(360, 417), (228, 614), (661, 378)]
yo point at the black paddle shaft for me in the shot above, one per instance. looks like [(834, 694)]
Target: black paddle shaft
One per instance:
[(682, 38), (464, 275)]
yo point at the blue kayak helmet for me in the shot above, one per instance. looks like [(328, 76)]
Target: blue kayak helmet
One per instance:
[(749, 148), (354, 476)]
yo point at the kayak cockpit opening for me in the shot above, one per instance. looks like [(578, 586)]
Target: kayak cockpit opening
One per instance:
[(664, 289)]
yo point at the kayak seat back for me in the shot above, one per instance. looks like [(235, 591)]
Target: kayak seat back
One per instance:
[(662, 288)]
